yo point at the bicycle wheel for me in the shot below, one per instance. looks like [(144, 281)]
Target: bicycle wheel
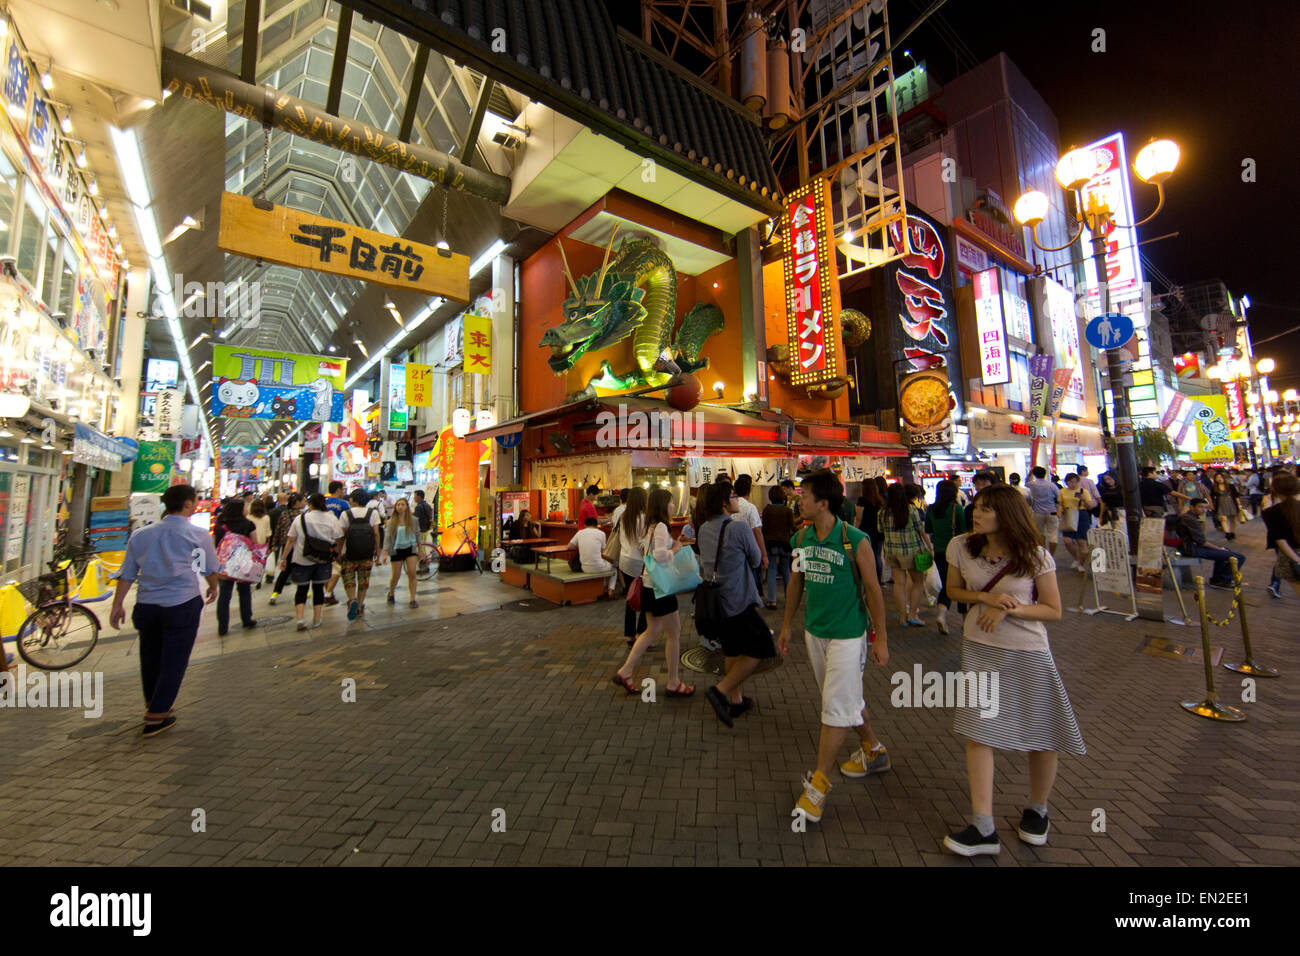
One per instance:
[(428, 566), (57, 636)]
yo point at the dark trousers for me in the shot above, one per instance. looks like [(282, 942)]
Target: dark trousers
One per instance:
[(223, 604), (166, 638), (633, 621), (941, 563), (280, 580), (1220, 556)]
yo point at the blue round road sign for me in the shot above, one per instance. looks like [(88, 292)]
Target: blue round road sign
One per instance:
[(1111, 330)]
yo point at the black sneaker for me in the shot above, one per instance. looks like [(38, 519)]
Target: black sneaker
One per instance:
[(1273, 590), (249, 624), (745, 706), (970, 842), (391, 599), (331, 601), (1033, 828), (720, 705), (153, 729)]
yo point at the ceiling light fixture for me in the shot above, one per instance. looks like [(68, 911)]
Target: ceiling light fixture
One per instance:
[(47, 81), (65, 123), (93, 188), (81, 158)]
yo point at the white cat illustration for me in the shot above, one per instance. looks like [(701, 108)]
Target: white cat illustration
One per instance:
[(238, 397), (323, 394)]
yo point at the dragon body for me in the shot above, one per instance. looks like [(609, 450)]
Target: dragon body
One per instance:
[(634, 295)]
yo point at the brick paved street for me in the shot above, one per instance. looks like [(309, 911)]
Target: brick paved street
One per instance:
[(513, 709)]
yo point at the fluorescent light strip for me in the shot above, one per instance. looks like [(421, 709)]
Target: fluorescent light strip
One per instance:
[(131, 165)]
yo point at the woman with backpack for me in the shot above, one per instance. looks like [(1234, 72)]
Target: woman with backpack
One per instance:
[(401, 538), (309, 553), (902, 527), (231, 520), (660, 610), (944, 520)]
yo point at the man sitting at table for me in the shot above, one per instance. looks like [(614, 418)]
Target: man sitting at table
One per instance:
[(590, 542)]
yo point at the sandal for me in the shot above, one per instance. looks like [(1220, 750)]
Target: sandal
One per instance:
[(771, 605), (625, 683), (683, 690)]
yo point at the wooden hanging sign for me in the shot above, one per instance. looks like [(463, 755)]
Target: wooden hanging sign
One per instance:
[(289, 237)]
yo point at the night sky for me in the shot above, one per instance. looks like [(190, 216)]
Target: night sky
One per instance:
[(1218, 78)]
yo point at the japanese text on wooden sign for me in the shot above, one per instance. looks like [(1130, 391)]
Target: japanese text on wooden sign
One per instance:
[(292, 238)]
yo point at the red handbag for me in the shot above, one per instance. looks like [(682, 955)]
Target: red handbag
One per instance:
[(634, 593)]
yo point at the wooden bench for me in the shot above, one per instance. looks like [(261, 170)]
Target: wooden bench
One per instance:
[(563, 586), (516, 574)]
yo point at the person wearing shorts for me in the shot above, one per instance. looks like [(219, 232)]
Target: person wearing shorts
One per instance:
[(1044, 502), (355, 570), (902, 526), (836, 628), (308, 572)]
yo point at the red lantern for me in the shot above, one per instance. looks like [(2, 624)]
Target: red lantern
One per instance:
[(685, 393)]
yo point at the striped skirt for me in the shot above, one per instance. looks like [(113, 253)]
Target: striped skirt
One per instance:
[(1033, 711)]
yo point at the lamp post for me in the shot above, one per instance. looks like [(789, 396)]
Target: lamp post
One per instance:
[(1154, 164)]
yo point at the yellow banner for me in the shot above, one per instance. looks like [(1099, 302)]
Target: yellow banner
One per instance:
[(419, 386), (478, 344), (289, 237), (1214, 436)]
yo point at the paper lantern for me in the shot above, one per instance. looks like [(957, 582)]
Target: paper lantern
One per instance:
[(460, 422)]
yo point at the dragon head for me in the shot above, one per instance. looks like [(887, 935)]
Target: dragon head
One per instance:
[(603, 308)]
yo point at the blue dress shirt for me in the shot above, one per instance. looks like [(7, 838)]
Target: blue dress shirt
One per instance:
[(161, 558)]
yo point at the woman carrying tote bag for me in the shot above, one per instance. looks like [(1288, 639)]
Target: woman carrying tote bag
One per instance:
[(629, 531), (661, 612)]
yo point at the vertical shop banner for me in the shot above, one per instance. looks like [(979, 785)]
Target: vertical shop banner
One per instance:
[(1040, 374), (1172, 412), (419, 386), (1110, 185), (396, 420), (281, 386), (1060, 381), (169, 411), (152, 471), (478, 344), (1235, 405), (453, 339), (1214, 435), (1057, 302), (311, 440), (17, 86), (990, 326), (347, 459), (812, 304)]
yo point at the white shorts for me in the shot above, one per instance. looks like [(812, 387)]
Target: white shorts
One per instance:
[(1049, 526), (838, 667)]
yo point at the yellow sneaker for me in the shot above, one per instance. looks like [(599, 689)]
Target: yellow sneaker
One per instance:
[(815, 788), (863, 763)]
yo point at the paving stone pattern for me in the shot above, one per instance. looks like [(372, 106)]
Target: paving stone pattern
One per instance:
[(501, 709)]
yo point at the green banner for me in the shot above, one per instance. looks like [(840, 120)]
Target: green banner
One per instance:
[(152, 469)]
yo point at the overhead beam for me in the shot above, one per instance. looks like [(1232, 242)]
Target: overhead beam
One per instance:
[(251, 41), (340, 60), (469, 145), (413, 93), (196, 80)]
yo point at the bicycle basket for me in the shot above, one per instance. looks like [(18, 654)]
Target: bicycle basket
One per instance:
[(48, 586)]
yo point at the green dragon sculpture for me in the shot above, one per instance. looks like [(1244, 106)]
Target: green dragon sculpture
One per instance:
[(635, 295)]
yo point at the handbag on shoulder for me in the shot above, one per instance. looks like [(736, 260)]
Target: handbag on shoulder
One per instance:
[(709, 615)]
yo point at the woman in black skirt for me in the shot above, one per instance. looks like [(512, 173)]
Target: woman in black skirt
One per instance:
[(1008, 578), (660, 611), (746, 638)]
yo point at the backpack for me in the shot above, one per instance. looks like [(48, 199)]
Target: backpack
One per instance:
[(358, 538), (318, 549), (424, 515)]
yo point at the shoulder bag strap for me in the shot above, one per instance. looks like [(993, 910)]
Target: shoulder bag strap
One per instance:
[(997, 577), (853, 563), (717, 554)]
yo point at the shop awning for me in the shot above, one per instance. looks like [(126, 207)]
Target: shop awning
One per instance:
[(532, 420)]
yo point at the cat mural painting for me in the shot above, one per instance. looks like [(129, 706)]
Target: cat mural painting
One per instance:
[(278, 386)]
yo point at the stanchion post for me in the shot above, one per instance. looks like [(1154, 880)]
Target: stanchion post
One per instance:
[(1210, 707), (1249, 665)]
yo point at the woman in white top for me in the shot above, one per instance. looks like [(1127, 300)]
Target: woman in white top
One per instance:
[(1006, 576), (311, 572), (661, 612), (630, 528)]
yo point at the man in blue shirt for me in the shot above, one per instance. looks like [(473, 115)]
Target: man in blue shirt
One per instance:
[(335, 504), (167, 559)]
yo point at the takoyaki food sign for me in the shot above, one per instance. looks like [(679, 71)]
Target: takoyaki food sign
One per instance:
[(280, 386)]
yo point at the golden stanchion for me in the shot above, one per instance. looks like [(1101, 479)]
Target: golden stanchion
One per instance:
[(1210, 707), (1249, 665)]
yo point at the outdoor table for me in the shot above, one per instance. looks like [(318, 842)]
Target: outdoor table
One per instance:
[(528, 543), (553, 551)]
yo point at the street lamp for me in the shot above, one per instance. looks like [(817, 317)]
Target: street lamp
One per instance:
[(1155, 163)]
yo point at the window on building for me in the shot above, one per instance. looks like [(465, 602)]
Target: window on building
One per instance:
[(30, 235), (50, 270), (68, 270), (8, 191)]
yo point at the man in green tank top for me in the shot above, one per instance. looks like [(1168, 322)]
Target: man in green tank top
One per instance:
[(836, 564)]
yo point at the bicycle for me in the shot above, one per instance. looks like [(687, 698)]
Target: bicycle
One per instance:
[(60, 633), (431, 554)]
